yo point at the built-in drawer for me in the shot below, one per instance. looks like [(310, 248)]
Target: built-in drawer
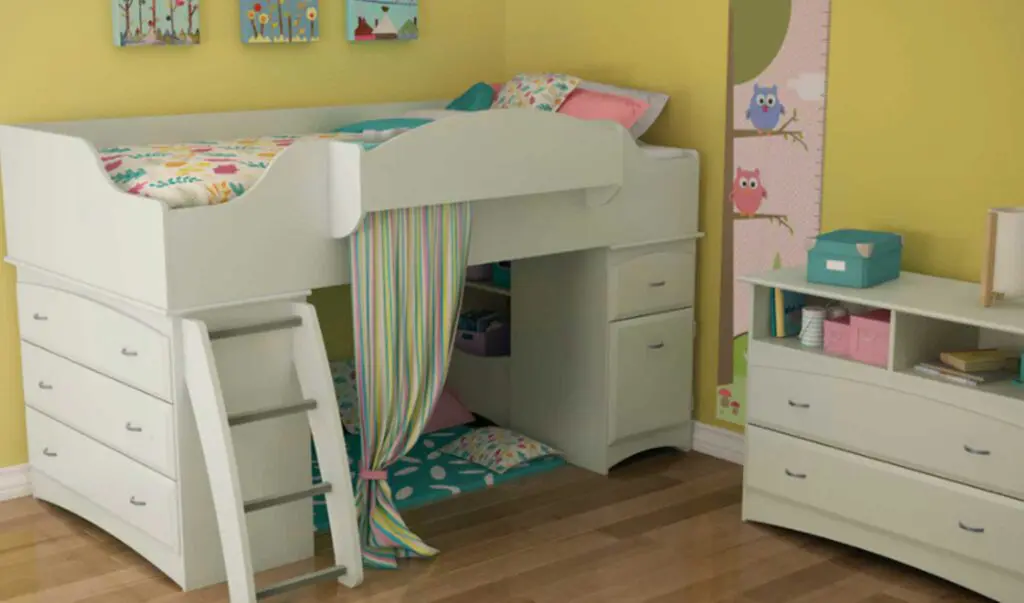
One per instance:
[(905, 429), (962, 520), (122, 417), (134, 493), (651, 373), (651, 278), (97, 336)]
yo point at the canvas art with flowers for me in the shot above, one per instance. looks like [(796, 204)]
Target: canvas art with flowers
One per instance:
[(280, 21), (156, 22)]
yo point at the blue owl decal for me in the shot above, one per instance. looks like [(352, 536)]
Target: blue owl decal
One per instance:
[(765, 109)]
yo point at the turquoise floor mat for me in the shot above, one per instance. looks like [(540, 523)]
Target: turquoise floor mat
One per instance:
[(428, 475)]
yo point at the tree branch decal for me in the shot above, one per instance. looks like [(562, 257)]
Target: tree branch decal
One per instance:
[(791, 135), (779, 219)]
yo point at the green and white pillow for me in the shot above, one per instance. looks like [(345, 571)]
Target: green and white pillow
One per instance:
[(497, 448)]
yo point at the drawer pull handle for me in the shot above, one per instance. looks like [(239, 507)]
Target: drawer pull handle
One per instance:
[(977, 451), (657, 284), (656, 346), (968, 528), (131, 427), (127, 352), (47, 452), (45, 385), (38, 316), (137, 503), (796, 475), (799, 404)]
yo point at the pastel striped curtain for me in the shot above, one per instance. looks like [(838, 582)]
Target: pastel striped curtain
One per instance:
[(408, 270)]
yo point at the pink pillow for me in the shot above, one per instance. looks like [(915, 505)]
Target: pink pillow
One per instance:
[(591, 104), (497, 90), (448, 412)]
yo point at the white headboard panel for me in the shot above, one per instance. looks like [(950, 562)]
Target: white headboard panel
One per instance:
[(224, 126)]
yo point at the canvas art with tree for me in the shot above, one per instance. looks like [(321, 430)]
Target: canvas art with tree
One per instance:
[(370, 20), (280, 21), (156, 22)]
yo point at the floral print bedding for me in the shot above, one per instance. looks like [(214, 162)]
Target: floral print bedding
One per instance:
[(198, 173)]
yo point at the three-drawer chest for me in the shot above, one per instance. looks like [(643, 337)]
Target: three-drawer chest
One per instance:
[(890, 459), (112, 438)]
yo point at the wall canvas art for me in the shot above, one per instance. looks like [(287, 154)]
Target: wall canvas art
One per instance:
[(280, 21), (156, 22), (382, 20)]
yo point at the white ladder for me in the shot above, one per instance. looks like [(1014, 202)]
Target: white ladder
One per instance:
[(214, 426)]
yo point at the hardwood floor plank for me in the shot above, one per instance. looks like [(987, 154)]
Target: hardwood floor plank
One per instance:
[(675, 513), (883, 598), (805, 581), (733, 571), (665, 528)]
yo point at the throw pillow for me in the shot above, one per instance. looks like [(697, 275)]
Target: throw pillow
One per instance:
[(656, 102), (478, 98), (448, 412), (497, 448), (591, 104), (541, 91)]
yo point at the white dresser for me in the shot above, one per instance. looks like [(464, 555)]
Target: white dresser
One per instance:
[(112, 438), (602, 353), (914, 468)]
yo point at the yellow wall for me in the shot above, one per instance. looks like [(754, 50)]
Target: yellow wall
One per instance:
[(922, 135), (62, 64), (679, 47), (923, 129)]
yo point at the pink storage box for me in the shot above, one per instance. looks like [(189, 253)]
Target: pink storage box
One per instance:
[(838, 336), (869, 337)]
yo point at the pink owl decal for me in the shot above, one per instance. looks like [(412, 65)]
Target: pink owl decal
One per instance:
[(747, 191)]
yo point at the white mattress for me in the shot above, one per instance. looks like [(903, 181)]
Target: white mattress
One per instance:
[(208, 173), (661, 152)]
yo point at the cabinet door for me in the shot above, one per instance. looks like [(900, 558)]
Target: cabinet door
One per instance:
[(651, 360)]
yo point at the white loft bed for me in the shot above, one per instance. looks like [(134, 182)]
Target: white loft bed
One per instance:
[(116, 289), (543, 183)]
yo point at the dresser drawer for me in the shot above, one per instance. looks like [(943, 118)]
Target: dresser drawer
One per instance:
[(651, 373), (976, 524), (648, 279), (96, 336), (901, 428), (121, 417), (137, 495)]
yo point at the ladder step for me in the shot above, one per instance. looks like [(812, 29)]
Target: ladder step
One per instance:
[(301, 581), (266, 327), (270, 413), (279, 499)]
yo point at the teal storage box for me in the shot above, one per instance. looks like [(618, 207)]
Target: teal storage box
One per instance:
[(855, 258)]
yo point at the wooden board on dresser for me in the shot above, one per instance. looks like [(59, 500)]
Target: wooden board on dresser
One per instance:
[(908, 466)]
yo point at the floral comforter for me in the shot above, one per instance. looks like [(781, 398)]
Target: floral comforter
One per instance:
[(197, 173)]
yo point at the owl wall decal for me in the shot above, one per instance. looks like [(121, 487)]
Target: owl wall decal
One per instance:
[(747, 191), (765, 108)]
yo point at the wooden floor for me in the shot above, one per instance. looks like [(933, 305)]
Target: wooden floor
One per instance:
[(665, 529)]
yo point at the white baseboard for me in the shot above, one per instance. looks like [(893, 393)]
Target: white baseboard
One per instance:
[(719, 443), (14, 482)]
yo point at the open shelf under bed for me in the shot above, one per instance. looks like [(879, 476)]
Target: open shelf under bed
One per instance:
[(427, 475)]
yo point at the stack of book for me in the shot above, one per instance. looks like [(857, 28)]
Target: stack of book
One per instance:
[(972, 367)]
